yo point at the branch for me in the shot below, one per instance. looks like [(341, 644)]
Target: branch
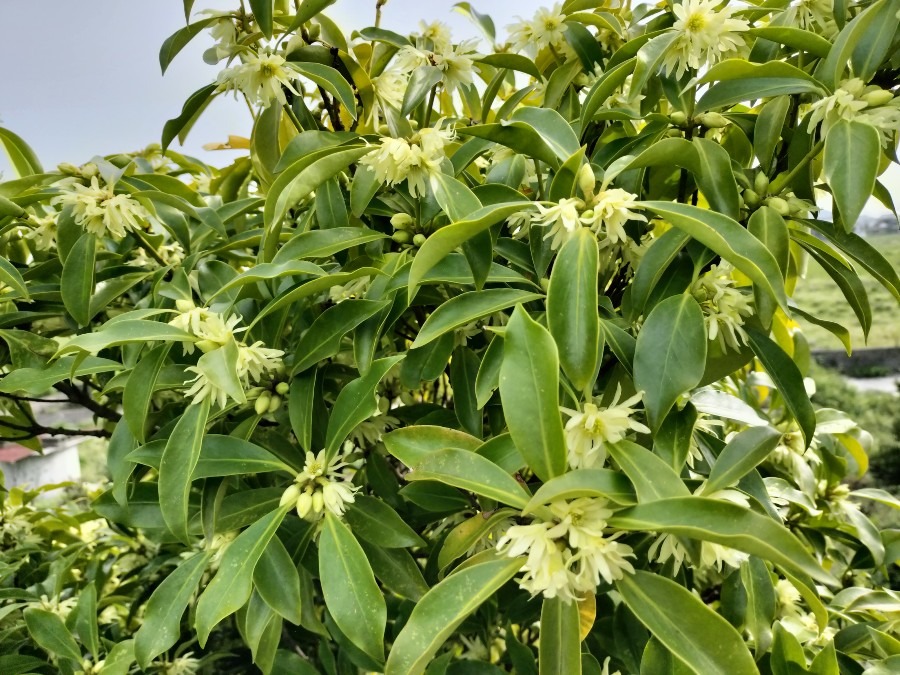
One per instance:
[(38, 429), (75, 395)]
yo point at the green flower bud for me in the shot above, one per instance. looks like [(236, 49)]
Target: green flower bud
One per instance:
[(282, 388), (401, 221), (678, 118), (712, 120), (419, 239), (878, 98), (69, 169), (274, 403), (401, 237), (674, 133), (778, 205), (90, 170), (314, 30), (751, 198), (206, 346), (184, 305), (761, 183), (262, 403)]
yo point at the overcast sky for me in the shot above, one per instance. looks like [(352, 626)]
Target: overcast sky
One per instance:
[(91, 84)]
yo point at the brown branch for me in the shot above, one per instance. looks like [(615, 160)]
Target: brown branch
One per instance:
[(75, 395), (38, 429)]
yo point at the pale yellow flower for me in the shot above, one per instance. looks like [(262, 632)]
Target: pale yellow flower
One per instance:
[(562, 218), (724, 306), (856, 101), (101, 212), (590, 431), (319, 486), (416, 160), (610, 210), (545, 29), (705, 35), (261, 78)]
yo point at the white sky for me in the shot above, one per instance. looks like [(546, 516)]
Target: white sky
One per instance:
[(91, 83)]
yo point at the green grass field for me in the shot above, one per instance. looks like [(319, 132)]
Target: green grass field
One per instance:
[(820, 296)]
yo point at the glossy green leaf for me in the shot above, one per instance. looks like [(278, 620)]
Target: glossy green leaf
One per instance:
[(330, 80), (324, 243), (323, 339), (436, 616), (724, 523), (412, 444), (11, 277), (768, 128), (176, 467), (125, 332), (653, 265), (728, 239), (649, 59), (77, 280), (670, 356), (852, 156), (161, 626), (136, 397), (376, 522), (572, 300), (468, 471), (652, 478), (196, 103), (468, 307), (740, 455), (179, 39), (277, 582), (421, 81), (23, 159), (603, 483), (788, 380), (230, 589), (681, 622), (514, 62), (51, 634), (355, 404), (468, 533), (348, 584), (529, 390), (560, 648)]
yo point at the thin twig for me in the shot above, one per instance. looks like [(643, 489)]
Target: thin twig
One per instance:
[(38, 429)]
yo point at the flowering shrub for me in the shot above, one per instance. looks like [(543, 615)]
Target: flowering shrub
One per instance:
[(485, 357)]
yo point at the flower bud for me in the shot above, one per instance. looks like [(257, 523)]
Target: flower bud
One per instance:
[(586, 180), (878, 98), (751, 198), (401, 237), (778, 205), (712, 120), (282, 388), (90, 170), (290, 495), (183, 305), (304, 504), (678, 118), (262, 403), (314, 29), (674, 133), (419, 239), (318, 501), (761, 183), (207, 345), (69, 169), (401, 221), (274, 403)]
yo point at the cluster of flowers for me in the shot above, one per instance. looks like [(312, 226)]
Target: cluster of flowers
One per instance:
[(856, 101), (415, 160), (214, 331), (323, 484), (568, 554), (724, 306), (102, 212)]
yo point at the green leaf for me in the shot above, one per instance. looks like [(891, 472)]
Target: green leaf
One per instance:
[(468, 471), (355, 404), (572, 300), (852, 155), (22, 158), (230, 589), (121, 443), (796, 38), (853, 36), (136, 397), (378, 523), (297, 181), (176, 467), (397, 570), (519, 136), (77, 281), (177, 41), (51, 634), (422, 80), (348, 584), (761, 601), (788, 380), (443, 242), (325, 243), (729, 92), (219, 456), (682, 623), (178, 127), (412, 444), (529, 391), (488, 378), (161, 626), (604, 483), (552, 128), (652, 478), (125, 332), (560, 647), (742, 453), (85, 624), (768, 127), (307, 10), (323, 339), (266, 271), (10, 276), (436, 616), (468, 307), (513, 62), (277, 581), (649, 59), (330, 80), (36, 381), (119, 659), (469, 532), (724, 523), (653, 265), (262, 12), (603, 88), (728, 239), (670, 356)]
